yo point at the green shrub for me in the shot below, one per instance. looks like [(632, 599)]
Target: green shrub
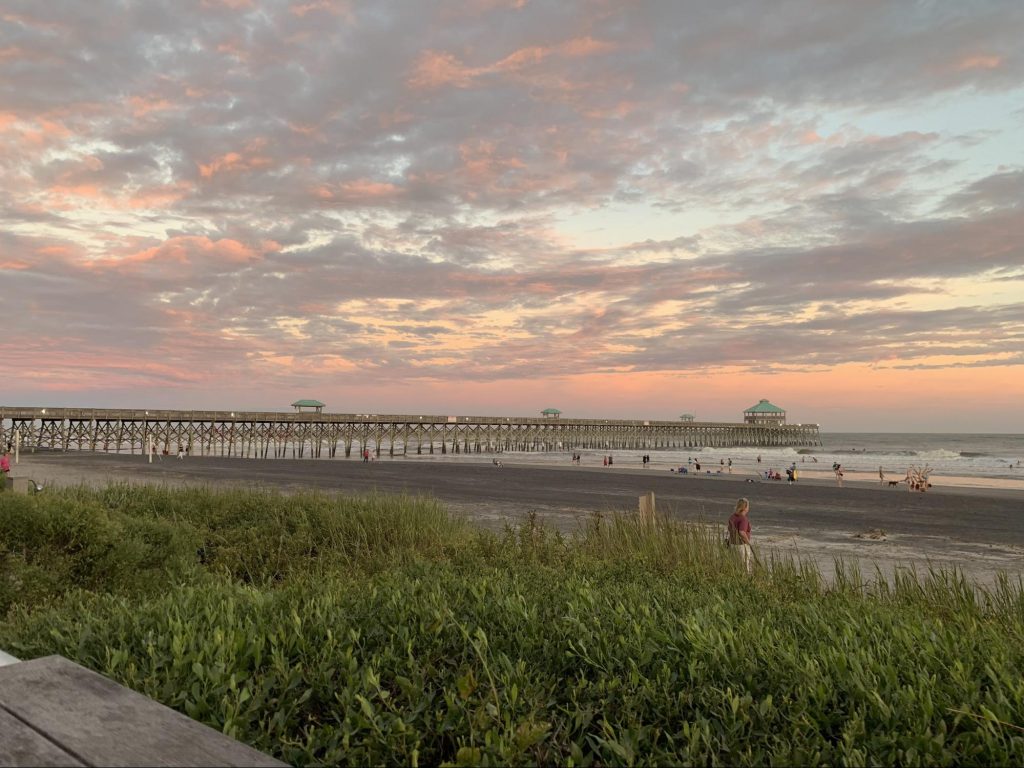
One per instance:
[(52, 543), (404, 638)]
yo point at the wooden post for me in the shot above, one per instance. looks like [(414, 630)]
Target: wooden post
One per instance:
[(647, 509)]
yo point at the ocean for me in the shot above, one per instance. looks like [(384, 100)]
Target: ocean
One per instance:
[(991, 456)]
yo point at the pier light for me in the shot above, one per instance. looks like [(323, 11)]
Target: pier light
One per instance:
[(44, 410), (232, 414)]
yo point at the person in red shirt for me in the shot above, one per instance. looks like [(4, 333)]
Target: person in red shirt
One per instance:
[(739, 534)]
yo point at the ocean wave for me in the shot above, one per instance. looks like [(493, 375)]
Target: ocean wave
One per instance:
[(940, 454), (866, 452), (973, 454)]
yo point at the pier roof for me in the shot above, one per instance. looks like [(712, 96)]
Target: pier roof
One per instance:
[(764, 407), (307, 404)]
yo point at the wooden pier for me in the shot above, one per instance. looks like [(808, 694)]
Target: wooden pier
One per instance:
[(250, 434)]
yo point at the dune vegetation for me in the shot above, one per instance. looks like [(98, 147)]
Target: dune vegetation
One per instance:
[(369, 630)]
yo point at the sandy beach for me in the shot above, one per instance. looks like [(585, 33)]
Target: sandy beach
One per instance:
[(980, 530)]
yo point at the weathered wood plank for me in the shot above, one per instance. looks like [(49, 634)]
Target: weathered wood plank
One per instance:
[(104, 723), (20, 745)]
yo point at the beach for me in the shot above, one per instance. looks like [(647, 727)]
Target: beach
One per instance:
[(977, 529)]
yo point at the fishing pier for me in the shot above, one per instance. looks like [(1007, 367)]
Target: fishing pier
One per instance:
[(250, 434)]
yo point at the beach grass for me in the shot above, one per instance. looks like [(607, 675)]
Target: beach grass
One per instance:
[(328, 629)]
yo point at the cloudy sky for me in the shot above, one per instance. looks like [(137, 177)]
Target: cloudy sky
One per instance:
[(489, 207)]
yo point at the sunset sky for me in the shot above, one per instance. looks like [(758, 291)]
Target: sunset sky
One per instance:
[(619, 209)]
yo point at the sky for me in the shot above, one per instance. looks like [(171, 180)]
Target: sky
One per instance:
[(491, 207)]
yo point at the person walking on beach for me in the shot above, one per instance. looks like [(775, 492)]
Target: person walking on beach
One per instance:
[(739, 534), (881, 476), (838, 469)]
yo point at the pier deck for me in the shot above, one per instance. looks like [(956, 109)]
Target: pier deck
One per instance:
[(317, 435)]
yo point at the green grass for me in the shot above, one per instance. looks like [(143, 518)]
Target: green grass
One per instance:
[(376, 630)]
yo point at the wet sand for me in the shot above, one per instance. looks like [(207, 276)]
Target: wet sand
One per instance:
[(980, 530)]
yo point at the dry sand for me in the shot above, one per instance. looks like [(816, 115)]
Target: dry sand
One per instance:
[(980, 530)]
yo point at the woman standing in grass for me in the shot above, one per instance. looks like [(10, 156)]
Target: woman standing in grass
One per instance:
[(739, 533)]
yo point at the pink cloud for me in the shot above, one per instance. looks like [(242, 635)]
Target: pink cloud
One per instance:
[(184, 251), (248, 159), (234, 5), (41, 132), (144, 105), (435, 69), (360, 191), (334, 7), (979, 62), (483, 161), (160, 196)]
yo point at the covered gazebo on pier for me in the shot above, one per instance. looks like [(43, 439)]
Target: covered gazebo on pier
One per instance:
[(764, 413), (314, 406)]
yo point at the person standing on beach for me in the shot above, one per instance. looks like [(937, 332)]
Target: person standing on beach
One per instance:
[(838, 469), (739, 534), (881, 476)]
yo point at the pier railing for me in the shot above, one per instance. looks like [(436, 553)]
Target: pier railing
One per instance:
[(316, 435)]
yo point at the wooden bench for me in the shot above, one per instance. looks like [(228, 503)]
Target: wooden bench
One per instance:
[(55, 712)]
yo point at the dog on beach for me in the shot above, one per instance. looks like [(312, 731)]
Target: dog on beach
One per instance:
[(893, 483), (497, 463)]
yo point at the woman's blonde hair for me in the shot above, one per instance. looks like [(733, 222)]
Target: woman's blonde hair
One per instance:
[(741, 504)]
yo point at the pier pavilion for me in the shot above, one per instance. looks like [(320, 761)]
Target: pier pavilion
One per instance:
[(764, 413), (325, 435)]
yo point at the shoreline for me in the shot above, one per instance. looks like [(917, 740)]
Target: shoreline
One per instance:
[(978, 530)]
